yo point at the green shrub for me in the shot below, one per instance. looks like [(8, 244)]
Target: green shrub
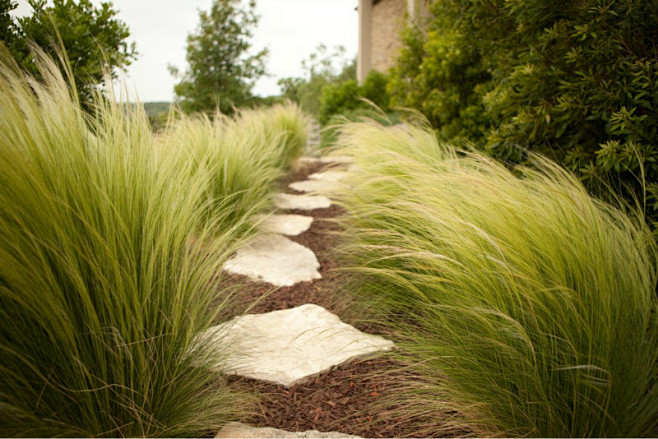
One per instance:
[(530, 305), (107, 272), (439, 75), (575, 81), (343, 97)]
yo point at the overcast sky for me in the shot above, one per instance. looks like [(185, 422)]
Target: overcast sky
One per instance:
[(291, 29)]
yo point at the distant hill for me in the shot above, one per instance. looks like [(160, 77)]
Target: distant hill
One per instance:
[(153, 108)]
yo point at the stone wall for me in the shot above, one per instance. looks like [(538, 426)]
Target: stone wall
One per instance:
[(387, 21)]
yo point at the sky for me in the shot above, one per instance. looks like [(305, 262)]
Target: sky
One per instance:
[(290, 29)]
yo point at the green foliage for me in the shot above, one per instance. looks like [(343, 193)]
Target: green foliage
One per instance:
[(94, 40), (575, 81), (322, 69), (8, 29), (220, 73), (342, 97), (520, 302), (440, 76)]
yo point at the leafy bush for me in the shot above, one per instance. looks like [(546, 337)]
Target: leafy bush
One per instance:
[(439, 75), (110, 247), (94, 39), (575, 81), (525, 301), (342, 97)]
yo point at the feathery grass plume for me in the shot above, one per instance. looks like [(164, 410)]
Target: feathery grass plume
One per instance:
[(244, 155), (241, 176), (284, 128), (102, 291), (528, 302)]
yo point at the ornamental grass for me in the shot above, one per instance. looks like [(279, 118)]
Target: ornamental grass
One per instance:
[(111, 246), (522, 303)]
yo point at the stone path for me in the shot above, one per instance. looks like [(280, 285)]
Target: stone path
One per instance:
[(292, 345)]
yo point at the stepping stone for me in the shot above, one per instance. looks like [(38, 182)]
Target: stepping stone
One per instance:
[(333, 176), (322, 186), (301, 202), (275, 259), (327, 160), (291, 345), (238, 429), (286, 224)]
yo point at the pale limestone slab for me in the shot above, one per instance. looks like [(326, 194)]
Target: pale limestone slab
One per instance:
[(238, 429), (327, 160), (319, 186), (284, 224), (275, 259), (301, 202), (331, 175), (288, 346)]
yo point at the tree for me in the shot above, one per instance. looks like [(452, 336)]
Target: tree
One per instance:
[(94, 40), (221, 74), (322, 68)]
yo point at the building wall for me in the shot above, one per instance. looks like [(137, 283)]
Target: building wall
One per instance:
[(387, 21)]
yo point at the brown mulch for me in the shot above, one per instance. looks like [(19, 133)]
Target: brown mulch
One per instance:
[(351, 398), (321, 240)]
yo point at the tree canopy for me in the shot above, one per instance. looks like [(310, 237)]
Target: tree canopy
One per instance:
[(221, 72), (93, 38)]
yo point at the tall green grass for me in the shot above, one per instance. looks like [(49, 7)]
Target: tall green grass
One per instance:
[(527, 302), (244, 155), (110, 247)]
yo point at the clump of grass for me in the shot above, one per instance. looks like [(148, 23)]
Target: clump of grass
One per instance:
[(102, 288), (528, 303), (284, 130), (244, 155)]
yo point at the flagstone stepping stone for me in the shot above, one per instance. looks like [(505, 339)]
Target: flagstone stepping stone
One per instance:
[(238, 429), (284, 224), (327, 160), (301, 202), (275, 259), (333, 176), (291, 345), (320, 186)]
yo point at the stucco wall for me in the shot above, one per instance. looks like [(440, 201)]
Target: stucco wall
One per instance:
[(387, 21)]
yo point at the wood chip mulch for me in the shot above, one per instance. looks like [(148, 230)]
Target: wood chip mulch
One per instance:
[(348, 399)]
